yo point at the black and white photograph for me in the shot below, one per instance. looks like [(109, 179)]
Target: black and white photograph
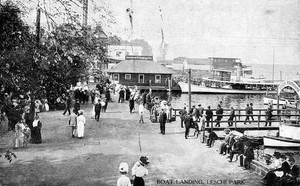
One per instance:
[(150, 92)]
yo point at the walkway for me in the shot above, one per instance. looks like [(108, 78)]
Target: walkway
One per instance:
[(118, 137)]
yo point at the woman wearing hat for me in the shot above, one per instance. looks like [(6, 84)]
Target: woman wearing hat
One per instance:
[(36, 135), (139, 170), (80, 124)]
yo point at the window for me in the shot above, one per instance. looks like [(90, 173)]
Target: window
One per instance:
[(116, 77), (141, 78), (127, 76), (157, 78)]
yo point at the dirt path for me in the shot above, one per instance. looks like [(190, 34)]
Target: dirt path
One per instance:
[(94, 160)]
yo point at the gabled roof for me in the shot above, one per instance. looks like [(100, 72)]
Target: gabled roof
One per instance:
[(140, 66), (198, 61)]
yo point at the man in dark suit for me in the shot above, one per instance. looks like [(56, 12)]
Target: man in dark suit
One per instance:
[(209, 115), (162, 121), (67, 105), (188, 123), (182, 113), (97, 110)]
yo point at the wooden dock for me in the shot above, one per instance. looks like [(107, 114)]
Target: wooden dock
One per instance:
[(279, 115)]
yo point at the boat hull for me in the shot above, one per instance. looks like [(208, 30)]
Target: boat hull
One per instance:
[(270, 141), (267, 101), (210, 90)]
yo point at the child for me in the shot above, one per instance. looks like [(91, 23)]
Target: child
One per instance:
[(141, 112), (123, 180)]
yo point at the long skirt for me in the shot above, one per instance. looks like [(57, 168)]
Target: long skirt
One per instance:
[(138, 181), (80, 129)]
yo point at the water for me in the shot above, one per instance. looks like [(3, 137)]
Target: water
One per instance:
[(238, 101)]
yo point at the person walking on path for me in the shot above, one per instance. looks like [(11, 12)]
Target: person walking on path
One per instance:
[(219, 113), (209, 116), (162, 121), (247, 114), (73, 122), (131, 103), (182, 116), (201, 110), (123, 180), (76, 106), (121, 96), (67, 105), (139, 170), (188, 123), (19, 134), (141, 112), (81, 122), (36, 135), (98, 110), (269, 116), (251, 111), (231, 116)]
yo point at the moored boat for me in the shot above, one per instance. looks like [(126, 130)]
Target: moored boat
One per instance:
[(227, 88), (230, 80), (289, 136)]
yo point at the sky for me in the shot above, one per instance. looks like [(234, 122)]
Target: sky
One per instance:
[(257, 31)]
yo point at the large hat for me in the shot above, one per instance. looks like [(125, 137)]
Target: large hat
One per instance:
[(144, 160), (227, 131), (123, 167)]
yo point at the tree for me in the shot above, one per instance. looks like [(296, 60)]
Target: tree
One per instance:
[(61, 58)]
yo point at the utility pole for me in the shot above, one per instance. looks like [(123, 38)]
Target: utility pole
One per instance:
[(38, 24), (189, 80), (273, 64), (84, 13)]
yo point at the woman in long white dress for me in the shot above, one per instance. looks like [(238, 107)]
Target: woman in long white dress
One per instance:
[(80, 124)]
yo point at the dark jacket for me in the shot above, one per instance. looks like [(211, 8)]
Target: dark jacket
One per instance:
[(209, 114), (182, 113), (188, 121), (162, 117), (98, 107)]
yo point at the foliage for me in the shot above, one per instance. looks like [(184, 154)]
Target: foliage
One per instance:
[(48, 68)]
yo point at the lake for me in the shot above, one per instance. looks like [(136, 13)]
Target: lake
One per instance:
[(238, 101)]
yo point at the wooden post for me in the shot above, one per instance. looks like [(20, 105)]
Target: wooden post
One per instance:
[(189, 81), (235, 123), (259, 119)]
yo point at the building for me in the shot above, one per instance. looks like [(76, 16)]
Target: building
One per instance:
[(178, 63), (225, 63), (119, 52), (142, 73), (197, 64)]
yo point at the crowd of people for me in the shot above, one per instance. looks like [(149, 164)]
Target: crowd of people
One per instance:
[(283, 171)]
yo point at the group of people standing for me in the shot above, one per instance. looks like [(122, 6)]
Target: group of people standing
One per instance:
[(77, 122), (30, 132)]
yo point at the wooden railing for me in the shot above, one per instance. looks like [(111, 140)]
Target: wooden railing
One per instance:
[(278, 115)]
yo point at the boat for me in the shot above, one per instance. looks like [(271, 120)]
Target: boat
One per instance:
[(246, 86), (289, 136), (232, 80)]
